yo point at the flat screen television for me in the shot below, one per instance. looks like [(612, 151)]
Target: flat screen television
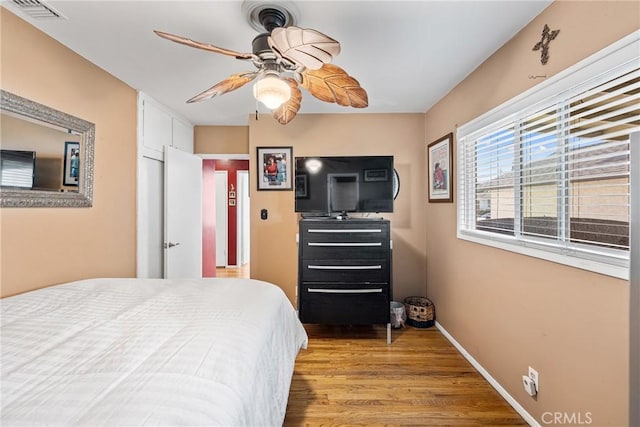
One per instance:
[(17, 168), (328, 185)]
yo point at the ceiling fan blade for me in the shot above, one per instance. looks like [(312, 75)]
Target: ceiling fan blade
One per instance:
[(332, 84), (287, 111), (306, 47), (227, 85), (203, 46)]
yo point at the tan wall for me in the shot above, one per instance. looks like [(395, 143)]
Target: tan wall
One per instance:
[(221, 139), (511, 311), (614, 205), (273, 242), (45, 246), (502, 203), (539, 200), (569, 324)]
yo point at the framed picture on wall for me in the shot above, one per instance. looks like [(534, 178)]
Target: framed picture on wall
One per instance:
[(440, 169), (274, 168), (71, 166)]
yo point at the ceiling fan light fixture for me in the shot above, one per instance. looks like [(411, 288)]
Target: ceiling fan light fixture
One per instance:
[(272, 91)]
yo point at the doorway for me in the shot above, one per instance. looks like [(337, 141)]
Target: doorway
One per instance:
[(232, 200)]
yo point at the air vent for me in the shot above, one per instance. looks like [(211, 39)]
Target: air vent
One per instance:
[(37, 9)]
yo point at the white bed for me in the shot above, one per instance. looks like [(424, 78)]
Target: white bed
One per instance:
[(148, 352)]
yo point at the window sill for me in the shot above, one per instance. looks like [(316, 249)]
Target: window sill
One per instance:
[(618, 268)]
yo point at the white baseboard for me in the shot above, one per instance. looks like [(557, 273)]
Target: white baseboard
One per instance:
[(510, 400)]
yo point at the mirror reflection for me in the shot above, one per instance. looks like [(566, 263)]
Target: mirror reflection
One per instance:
[(46, 158), (37, 155)]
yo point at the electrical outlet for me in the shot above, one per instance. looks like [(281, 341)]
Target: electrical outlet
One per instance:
[(529, 386), (533, 374)]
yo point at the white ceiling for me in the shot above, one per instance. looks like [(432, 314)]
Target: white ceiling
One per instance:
[(406, 54)]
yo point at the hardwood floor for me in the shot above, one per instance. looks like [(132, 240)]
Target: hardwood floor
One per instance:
[(350, 376), (242, 271)]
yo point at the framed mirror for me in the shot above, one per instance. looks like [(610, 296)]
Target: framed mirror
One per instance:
[(46, 156)]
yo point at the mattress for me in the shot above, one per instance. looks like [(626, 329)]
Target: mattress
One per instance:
[(105, 352)]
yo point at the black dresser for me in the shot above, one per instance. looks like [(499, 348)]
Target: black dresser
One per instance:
[(344, 272)]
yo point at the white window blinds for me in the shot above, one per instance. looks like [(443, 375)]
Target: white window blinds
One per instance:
[(553, 176), (17, 168)]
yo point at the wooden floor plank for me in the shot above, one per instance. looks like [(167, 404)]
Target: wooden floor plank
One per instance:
[(242, 271), (350, 376)]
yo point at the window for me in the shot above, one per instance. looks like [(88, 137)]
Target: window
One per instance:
[(547, 174)]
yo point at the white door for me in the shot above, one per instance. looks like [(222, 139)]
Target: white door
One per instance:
[(222, 220), (150, 222), (182, 214), (243, 217)]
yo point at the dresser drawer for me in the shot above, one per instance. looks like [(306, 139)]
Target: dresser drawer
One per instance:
[(343, 248), (344, 308), (346, 230), (344, 270), (349, 231)]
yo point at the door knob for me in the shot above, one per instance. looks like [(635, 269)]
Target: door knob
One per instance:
[(170, 245)]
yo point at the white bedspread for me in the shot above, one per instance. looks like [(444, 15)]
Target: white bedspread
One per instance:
[(118, 352)]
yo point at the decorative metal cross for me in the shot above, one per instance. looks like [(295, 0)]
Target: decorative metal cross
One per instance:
[(543, 44)]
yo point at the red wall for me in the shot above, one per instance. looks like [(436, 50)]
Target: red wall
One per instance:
[(208, 232)]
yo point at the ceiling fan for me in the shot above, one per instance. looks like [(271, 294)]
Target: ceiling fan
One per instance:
[(286, 57)]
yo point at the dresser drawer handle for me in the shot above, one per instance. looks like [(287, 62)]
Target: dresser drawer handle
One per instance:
[(346, 291), (374, 244), (345, 230), (344, 267)]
